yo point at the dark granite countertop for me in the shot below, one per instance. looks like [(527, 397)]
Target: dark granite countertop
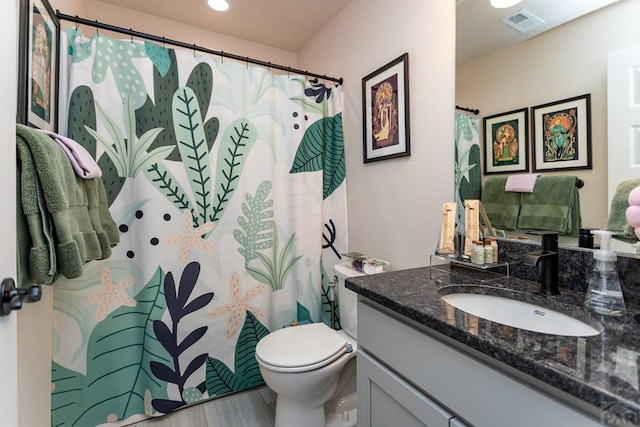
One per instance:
[(601, 370)]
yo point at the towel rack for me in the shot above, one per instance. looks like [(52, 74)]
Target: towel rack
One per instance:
[(12, 297), (579, 183)]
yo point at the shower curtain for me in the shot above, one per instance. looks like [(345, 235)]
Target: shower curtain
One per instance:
[(468, 179), (227, 183)]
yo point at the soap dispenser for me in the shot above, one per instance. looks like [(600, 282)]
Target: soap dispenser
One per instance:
[(604, 295)]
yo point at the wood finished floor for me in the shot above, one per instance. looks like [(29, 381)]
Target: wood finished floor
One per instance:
[(252, 408)]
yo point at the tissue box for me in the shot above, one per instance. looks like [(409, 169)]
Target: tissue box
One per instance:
[(365, 264)]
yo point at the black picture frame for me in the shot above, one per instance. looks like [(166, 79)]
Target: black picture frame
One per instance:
[(506, 142), (38, 65), (562, 134), (385, 110)]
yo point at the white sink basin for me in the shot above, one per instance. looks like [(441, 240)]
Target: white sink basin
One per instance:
[(520, 314)]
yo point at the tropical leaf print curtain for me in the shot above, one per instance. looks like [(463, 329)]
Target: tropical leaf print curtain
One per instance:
[(227, 183), (468, 184)]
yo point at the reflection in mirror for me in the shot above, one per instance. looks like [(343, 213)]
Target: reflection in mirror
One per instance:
[(562, 62)]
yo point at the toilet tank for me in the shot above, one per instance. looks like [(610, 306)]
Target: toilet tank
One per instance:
[(347, 300)]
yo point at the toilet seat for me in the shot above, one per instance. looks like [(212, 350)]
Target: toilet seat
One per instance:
[(301, 348)]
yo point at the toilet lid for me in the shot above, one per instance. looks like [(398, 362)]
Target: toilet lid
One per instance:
[(301, 348)]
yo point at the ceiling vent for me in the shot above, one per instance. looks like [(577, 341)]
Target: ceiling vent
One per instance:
[(522, 20)]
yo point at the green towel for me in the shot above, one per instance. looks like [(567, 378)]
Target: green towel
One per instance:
[(64, 221), (554, 205), (36, 247), (617, 220), (502, 207)]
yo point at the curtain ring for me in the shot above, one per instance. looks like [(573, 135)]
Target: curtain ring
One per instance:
[(247, 62), (269, 67), (131, 35), (222, 56), (194, 50), (97, 29)]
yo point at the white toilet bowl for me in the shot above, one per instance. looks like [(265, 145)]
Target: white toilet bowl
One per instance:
[(312, 368), (304, 388), (340, 410)]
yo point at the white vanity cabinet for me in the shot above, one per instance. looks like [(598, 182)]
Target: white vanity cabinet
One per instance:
[(409, 377)]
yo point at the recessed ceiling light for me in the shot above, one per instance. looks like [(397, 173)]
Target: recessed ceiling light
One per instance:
[(219, 5), (501, 4)]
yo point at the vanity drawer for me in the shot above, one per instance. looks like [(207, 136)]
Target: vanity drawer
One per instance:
[(385, 399), (463, 384)]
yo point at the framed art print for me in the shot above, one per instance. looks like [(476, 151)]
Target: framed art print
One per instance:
[(38, 90), (385, 106), (506, 141), (562, 134)]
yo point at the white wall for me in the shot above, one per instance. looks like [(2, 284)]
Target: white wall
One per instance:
[(70, 7), (8, 325), (568, 61), (395, 205)]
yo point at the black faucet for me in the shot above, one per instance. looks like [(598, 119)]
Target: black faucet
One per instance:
[(548, 257)]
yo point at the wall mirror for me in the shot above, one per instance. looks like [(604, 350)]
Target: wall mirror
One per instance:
[(502, 68)]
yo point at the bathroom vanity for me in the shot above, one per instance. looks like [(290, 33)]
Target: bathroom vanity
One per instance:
[(423, 362)]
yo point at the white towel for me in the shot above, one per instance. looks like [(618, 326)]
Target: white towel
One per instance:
[(521, 183)]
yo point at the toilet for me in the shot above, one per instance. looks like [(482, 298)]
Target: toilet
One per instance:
[(312, 368)]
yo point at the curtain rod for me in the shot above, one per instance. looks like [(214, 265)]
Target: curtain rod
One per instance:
[(138, 34), (471, 110)]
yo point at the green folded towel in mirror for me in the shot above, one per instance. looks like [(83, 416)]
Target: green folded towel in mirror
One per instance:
[(554, 205), (502, 207)]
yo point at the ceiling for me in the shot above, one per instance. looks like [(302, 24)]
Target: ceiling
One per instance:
[(479, 30), (291, 24), (284, 24)]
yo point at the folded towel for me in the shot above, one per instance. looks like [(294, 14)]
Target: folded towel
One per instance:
[(554, 205), (501, 207), (617, 220), (36, 246), (522, 183), (63, 218), (81, 161)]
